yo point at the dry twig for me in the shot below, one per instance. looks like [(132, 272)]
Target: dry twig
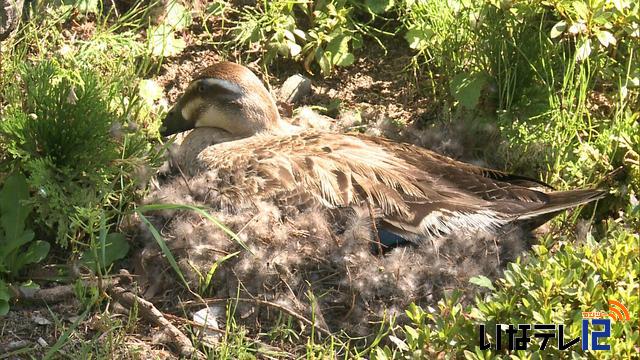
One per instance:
[(155, 316), (61, 293)]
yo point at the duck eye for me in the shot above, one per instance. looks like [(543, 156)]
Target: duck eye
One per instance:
[(201, 88)]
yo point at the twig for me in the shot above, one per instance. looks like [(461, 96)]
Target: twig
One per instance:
[(155, 316), (184, 178), (62, 292), (223, 332)]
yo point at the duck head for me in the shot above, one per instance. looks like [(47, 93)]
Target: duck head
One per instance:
[(226, 96)]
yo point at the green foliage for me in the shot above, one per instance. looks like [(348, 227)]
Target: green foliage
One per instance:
[(325, 33), (204, 280), (162, 38), (14, 210), (559, 79), (63, 119), (111, 247), (17, 247), (61, 137), (551, 68), (526, 67), (75, 124), (5, 296), (554, 286)]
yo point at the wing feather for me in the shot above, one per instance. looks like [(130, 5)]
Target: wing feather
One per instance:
[(412, 189)]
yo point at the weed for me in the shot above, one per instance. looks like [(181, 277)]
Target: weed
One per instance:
[(325, 33), (17, 245)]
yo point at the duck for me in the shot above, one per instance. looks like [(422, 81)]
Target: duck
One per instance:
[(250, 154)]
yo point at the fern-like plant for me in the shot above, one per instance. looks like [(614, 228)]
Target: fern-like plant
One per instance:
[(60, 136)]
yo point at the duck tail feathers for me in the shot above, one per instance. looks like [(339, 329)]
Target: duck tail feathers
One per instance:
[(561, 200)]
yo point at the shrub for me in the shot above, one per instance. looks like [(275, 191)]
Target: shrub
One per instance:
[(555, 285), (325, 33), (62, 137)]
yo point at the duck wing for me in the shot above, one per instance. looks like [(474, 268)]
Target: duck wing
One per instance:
[(414, 191)]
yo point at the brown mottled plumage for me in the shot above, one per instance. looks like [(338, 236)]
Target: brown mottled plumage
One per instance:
[(253, 155)]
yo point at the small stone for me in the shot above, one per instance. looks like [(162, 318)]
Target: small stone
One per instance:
[(42, 342), (295, 88), (73, 318), (15, 345), (208, 319), (40, 320)]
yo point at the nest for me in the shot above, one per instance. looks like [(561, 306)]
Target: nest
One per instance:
[(322, 264)]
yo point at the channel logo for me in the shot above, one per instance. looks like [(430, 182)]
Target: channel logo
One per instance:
[(596, 328)]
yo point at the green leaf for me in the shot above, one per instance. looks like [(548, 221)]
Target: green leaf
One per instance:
[(412, 334), (163, 42), (5, 296), (299, 33), (416, 38), (482, 281), (467, 89), (13, 210), (165, 249), (558, 29), (399, 343), (35, 253), (115, 248), (178, 17), (216, 8), (345, 60), (149, 90), (338, 46), (202, 212), (294, 49), (379, 6), (582, 9), (85, 6), (620, 5), (14, 243), (324, 62), (214, 267), (289, 35), (584, 50), (606, 38)]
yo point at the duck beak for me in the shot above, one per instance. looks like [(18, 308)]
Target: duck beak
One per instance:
[(174, 123)]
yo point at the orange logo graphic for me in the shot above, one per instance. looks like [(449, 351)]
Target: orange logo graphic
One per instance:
[(618, 314)]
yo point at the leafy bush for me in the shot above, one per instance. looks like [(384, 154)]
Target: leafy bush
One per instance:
[(322, 32), (555, 285), (62, 136), (17, 247)]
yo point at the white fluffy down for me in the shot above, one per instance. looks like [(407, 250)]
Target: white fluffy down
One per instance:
[(300, 256)]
